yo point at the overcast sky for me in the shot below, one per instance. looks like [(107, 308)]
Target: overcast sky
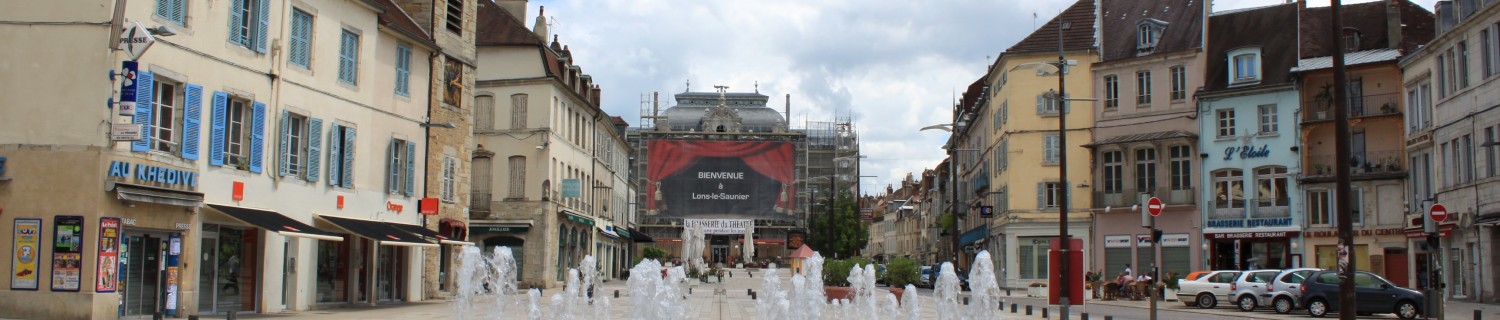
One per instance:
[(892, 65)]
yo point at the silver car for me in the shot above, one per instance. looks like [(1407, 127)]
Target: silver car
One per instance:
[(1253, 289), (1205, 292), (1286, 290)]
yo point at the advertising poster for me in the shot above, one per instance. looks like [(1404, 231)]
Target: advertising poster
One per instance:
[(26, 250), (109, 255), (720, 179), (67, 253), (795, 238)]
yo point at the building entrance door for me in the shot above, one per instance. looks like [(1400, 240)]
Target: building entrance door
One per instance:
[(1395, 267), (144, 270), (720, 254)]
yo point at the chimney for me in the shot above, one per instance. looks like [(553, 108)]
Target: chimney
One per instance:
[(516, 8), (541, 23), (1393, 24), (788, 110)]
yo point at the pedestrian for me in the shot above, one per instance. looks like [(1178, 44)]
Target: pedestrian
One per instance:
[(1127, 269)]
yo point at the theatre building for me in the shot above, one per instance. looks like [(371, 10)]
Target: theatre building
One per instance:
[(255, 166)]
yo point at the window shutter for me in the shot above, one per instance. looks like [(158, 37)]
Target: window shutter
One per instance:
[(216, 132), (411, 154), (143, 106), (1041, 195), (164, 8), (348, 166), (335, 158), (286, 137), (258, 137), (263, 15), (236, 19), (179, 11), (403, 69), (300, 39), (393, 166), (191, 121), (314, 148), (1041, 104)]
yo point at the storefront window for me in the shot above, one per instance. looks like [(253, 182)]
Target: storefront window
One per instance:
[(227, 277), (1328, 257), (333, 266), (1033, 251)]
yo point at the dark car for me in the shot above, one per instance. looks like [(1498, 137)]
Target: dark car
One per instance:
[(1320, 293)]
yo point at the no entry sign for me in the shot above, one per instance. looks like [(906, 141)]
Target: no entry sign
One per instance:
[(1154, 206), (1438, 213)]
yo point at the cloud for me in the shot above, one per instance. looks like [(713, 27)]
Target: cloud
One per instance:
[(892, 65)]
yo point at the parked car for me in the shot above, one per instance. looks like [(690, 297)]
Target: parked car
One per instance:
[(927, 277), (1196, 274), (1253, 289), (1206, 291), (1287, 288), (1320, 293)]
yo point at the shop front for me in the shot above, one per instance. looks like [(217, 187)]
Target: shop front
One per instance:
[(379, 259), (235, 249), (140, 252), (1264, 248), (512, 235)]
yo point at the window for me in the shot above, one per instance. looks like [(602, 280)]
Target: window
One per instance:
[(1147, 35), (453, 82), (1179, 83), (450, 169), (166, 111), (1145, 170), (1142, 88), (1452, 72), (403, 70), (455, 16), (300, 41), (341, 156), (1321, 209), (1113, 171), (172, 10), (294, 136), (1447, 164), (1468, 158), (1229, 188), (248, 23), (1271, 187), (1033, 257), (1111, 91), (1268, 119), (1050, 147), (1442, 75), (484, 112), (1046, 104), (1489, 151), (349, 57), (1418, 103), (1050, 194), (237, 136), (1351, 40), (518, 111), (517, 177), (1463, 64), (1226, 123), (399, 175), (1245, 65), (1487, 52)]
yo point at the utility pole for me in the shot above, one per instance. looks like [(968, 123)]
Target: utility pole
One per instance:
[(1149, 222), (1348, 307), (1062, 170), (953, 188)]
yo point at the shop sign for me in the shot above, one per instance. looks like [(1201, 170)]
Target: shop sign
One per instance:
[(67, 253), (719, 226), (182, 226), (148, 173), (794, 239), (106, 279), (1357, 233), (1116, 241), (26, 249), (478, 229), (1247, 152), (1252, 235), (1446, 230), (1143, 240), (1250, 223), (125, 132), (572, 188), (1174, 240), (394, 207), (867, 214)]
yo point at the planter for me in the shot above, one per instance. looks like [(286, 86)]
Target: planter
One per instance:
[(1036, 291), (898, 292), (838, 293), (1170, 294)]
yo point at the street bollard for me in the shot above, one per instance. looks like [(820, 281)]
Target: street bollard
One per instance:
[(231, 315), (690, 290), (753, 296), (1085, 316), (966, 301), (1044, 313), (1028, 310), (1007, 292), (749, 292), (617, 294), (156, 316)]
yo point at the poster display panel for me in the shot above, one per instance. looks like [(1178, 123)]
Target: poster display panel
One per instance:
[(720, 179), (67, 253), (26, 247), (107, 279)]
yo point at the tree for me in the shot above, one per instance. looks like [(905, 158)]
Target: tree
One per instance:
[(851, 234)]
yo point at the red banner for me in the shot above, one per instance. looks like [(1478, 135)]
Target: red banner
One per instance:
[(720, 178)]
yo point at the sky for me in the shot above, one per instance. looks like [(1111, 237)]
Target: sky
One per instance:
[(893, 66)]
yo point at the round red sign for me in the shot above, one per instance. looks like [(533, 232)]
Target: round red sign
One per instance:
[(1438, 213), (1154, 206)]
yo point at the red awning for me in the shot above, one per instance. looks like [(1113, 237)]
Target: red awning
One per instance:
[(453, 229)]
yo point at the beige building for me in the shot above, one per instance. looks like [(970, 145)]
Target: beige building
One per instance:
[(276, 170), (548, 158)]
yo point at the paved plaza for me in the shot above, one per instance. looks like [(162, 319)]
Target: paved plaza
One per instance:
[(729, 301)]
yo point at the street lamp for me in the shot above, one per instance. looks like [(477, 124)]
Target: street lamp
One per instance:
[(953, 176)]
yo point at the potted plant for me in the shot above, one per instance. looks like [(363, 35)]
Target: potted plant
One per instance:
[(1036, 289), (1170, 293), (901, 272)]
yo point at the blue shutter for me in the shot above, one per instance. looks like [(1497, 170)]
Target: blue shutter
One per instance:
[(164, 8), (314, 148), (403, 69), (285, 148), (263, 13), (335, 157), (236, 21), (348, 57), (144, 86), (411, 155), (179, 11), (216, 136), (301, 39), (348, 166), (393, 167), (258, 137), (191, 120)]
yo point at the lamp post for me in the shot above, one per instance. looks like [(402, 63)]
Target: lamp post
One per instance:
[(952, 147)]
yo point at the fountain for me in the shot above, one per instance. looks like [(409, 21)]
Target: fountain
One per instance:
[(492, 276), (653, 297), (946, 293), (984, 291)]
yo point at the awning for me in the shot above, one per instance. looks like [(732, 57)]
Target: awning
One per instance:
[(579, 218), (639, 236), (607, 229), (429, 234), (453, 229), (149, 194), (275, 222), (973, 235), (623, 233), (385, 233)]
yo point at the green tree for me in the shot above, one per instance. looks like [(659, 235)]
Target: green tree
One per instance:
[(851, 233), (901, 272), (653, 253)]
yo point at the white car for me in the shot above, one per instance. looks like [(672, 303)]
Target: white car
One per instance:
[(1287, 289), (1253, 289), (1205, 292)]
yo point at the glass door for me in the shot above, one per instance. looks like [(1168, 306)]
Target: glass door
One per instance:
[(143, 274), (208, 270)]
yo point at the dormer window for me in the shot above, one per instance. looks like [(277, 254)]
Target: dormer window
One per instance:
[(1147, 34), (1244, 66), (1351, 39)]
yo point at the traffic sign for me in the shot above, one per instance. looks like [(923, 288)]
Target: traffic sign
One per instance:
[(1438, 212), (1154, 206)]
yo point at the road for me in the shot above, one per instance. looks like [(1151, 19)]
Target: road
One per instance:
[(1133, 310)]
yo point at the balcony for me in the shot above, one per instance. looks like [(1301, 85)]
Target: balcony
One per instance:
[(479, 203), (1320, 109), (1372, 165), (1129, 197)]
